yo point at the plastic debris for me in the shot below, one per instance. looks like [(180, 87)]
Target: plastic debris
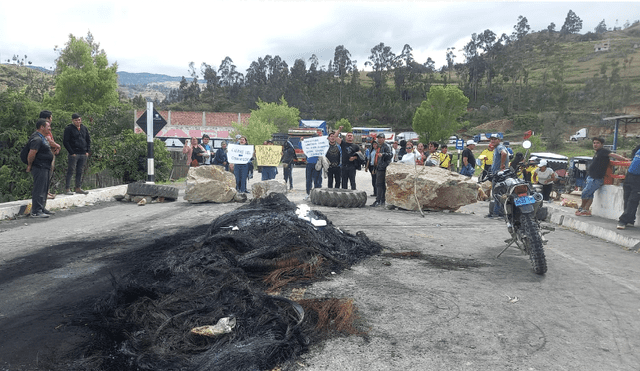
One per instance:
[(224, 326)]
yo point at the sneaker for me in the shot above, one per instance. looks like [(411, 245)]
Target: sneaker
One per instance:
[(81, 191), (621, 226), (306, 197), (48, 212), (39, 215), (375, 204), (630, 224), (69, 193)]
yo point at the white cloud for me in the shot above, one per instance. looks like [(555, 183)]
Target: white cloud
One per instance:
[(145, 36)]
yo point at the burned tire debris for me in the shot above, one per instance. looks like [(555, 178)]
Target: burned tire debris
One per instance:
[(240, 269)]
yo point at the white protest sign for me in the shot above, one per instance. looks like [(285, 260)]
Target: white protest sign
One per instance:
[(316, 146), (239, 154)]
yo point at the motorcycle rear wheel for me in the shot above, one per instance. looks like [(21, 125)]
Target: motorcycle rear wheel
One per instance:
[(533, 243)]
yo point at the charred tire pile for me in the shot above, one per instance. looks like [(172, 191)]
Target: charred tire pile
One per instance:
[(234, 270), (338, 197), (152, 190)]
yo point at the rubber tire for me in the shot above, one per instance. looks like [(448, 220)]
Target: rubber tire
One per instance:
[(533, 243), (152, 190), (338, 197)]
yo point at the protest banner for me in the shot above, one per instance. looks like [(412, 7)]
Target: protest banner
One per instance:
[(268, 155), (316, 146), (239, 154)]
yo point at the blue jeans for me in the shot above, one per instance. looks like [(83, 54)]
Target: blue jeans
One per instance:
[(313, 177), (241, 171), (269, 172), (76, 165), (590, 189), (287, 175), (467, 170)]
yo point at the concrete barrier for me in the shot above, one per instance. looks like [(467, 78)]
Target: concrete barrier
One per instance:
[(10, 210), (608, 202)]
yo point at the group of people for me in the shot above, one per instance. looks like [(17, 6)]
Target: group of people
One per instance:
[(41, 160)]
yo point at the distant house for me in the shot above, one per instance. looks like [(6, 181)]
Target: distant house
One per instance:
[(603, 46), (183, 125)]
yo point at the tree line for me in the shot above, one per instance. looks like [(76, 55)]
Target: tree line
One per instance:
[(523, 72)]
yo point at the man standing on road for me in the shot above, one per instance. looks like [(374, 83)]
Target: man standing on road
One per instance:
[(349, 158), (500, 162), (269, 172), (595, 178), (468, 159), (207, 149), (313, 177), (382, 159), (55, 148), (631, 195), (39, 165), (78, 144), (334, 156), (221, 156)]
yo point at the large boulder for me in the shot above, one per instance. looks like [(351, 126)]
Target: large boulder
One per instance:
[(210, 183), (435, 188), (265, 187)]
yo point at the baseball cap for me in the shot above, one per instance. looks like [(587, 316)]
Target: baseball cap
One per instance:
[(380, 135), (470, 142), (75, 116), (542, 163)]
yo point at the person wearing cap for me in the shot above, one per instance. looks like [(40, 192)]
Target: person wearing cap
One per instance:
[(500, 162), (382, 159), (77, 142), (468, 159), (546, 176)]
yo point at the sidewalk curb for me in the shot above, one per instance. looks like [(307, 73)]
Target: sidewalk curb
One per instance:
[(566, 219), (10, 210)]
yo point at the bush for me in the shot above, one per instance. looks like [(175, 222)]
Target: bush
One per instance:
[(128, 158)]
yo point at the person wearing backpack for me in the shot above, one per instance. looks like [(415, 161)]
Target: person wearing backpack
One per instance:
[(78, 143), (55, 148), (39, 160)]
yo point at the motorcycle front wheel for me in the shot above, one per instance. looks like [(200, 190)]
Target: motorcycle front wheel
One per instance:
[(533, 243)]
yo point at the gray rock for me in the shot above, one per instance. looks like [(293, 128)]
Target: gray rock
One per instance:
[(265, 187), (435, 188), (210, 183)]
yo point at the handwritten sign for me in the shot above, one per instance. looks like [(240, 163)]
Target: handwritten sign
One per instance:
[(268, 155), (316, 146), (239, 154)]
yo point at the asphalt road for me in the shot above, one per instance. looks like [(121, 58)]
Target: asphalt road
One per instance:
[(435, 299)]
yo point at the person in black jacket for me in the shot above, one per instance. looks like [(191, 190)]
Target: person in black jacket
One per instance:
[(288, 155), (382, 159), (39, 165), (78, 144)]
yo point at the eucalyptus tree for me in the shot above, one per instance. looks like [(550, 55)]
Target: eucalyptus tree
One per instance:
[(342, 66), (213, 82), (572, 24), (382, 60)]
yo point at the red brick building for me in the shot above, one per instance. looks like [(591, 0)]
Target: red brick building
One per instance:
[(183, 125)]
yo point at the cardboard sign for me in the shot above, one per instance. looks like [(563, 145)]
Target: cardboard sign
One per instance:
[(268, 155), (316, 146), (239, 154)]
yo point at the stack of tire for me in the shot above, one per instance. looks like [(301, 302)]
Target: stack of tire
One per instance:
[(169, 193)]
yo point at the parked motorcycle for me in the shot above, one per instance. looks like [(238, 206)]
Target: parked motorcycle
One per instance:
[(521, 206)]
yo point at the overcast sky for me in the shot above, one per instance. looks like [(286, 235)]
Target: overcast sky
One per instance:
[(164, 37)]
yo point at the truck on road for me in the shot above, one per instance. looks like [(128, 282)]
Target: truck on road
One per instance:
[(580, 134)]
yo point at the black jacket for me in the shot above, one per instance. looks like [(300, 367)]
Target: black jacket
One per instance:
[(77, 142)]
